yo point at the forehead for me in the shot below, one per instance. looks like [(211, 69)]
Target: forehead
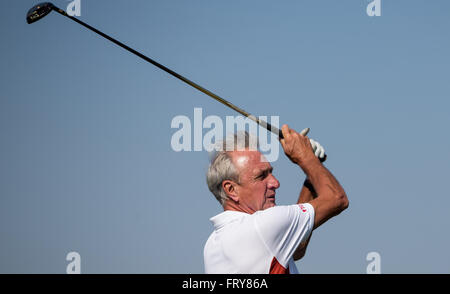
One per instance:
[(249, 161)]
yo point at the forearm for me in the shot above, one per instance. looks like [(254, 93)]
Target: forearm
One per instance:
[(306, 194), (331, 198), (320, 179)]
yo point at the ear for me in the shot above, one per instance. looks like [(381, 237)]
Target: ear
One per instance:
[(230, 189)]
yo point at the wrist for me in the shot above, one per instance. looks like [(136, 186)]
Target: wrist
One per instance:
[(309, 164)]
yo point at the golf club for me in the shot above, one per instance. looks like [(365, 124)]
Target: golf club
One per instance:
[(42, 9)]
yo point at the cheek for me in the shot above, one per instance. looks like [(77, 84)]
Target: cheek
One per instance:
[(256, 192), (261, 189)]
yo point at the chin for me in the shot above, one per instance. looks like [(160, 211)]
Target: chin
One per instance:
[(269, 205)]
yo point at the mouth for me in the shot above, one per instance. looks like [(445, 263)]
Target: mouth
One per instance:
[(271, 198)]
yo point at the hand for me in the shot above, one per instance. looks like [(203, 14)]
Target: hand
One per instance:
[(297, 147)]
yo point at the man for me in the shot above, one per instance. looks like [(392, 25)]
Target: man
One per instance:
[(253, 235)]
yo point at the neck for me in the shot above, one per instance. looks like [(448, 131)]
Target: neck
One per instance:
[(232, 205)]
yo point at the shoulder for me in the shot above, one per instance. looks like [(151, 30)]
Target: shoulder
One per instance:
[(284, 216), (284, 212)]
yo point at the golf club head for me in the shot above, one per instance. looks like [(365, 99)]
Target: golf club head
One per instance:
[(39, 11)]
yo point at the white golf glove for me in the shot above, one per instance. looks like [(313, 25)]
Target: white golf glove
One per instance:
[(318, 150)]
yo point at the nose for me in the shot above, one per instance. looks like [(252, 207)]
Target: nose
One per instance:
[(273, 182)]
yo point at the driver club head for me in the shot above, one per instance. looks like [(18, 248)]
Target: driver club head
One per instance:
[(39, 11)]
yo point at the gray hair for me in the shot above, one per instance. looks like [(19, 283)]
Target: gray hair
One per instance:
[(221, 166)]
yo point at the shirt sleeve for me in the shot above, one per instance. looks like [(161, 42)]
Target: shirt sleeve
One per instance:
[(283, 228)]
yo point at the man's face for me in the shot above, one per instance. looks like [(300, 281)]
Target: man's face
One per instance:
[(257, 185)]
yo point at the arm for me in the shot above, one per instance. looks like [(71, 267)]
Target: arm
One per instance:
[(306, 195), (331, 198)]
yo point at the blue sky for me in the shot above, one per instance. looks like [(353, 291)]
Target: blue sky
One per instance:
[(86, 161)]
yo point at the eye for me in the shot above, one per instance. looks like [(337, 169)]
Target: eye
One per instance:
[(263, 175)]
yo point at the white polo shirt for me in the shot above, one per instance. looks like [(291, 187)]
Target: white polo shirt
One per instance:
[(260, 243)]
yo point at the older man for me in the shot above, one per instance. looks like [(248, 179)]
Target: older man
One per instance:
[(253, 235)]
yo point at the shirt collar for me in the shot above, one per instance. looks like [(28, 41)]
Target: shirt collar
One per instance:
[(226, 217)]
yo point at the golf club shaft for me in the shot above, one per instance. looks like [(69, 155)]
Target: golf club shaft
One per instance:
[(262, 123)]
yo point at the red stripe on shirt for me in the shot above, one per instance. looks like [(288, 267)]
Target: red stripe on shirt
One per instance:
[(277, 268)]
